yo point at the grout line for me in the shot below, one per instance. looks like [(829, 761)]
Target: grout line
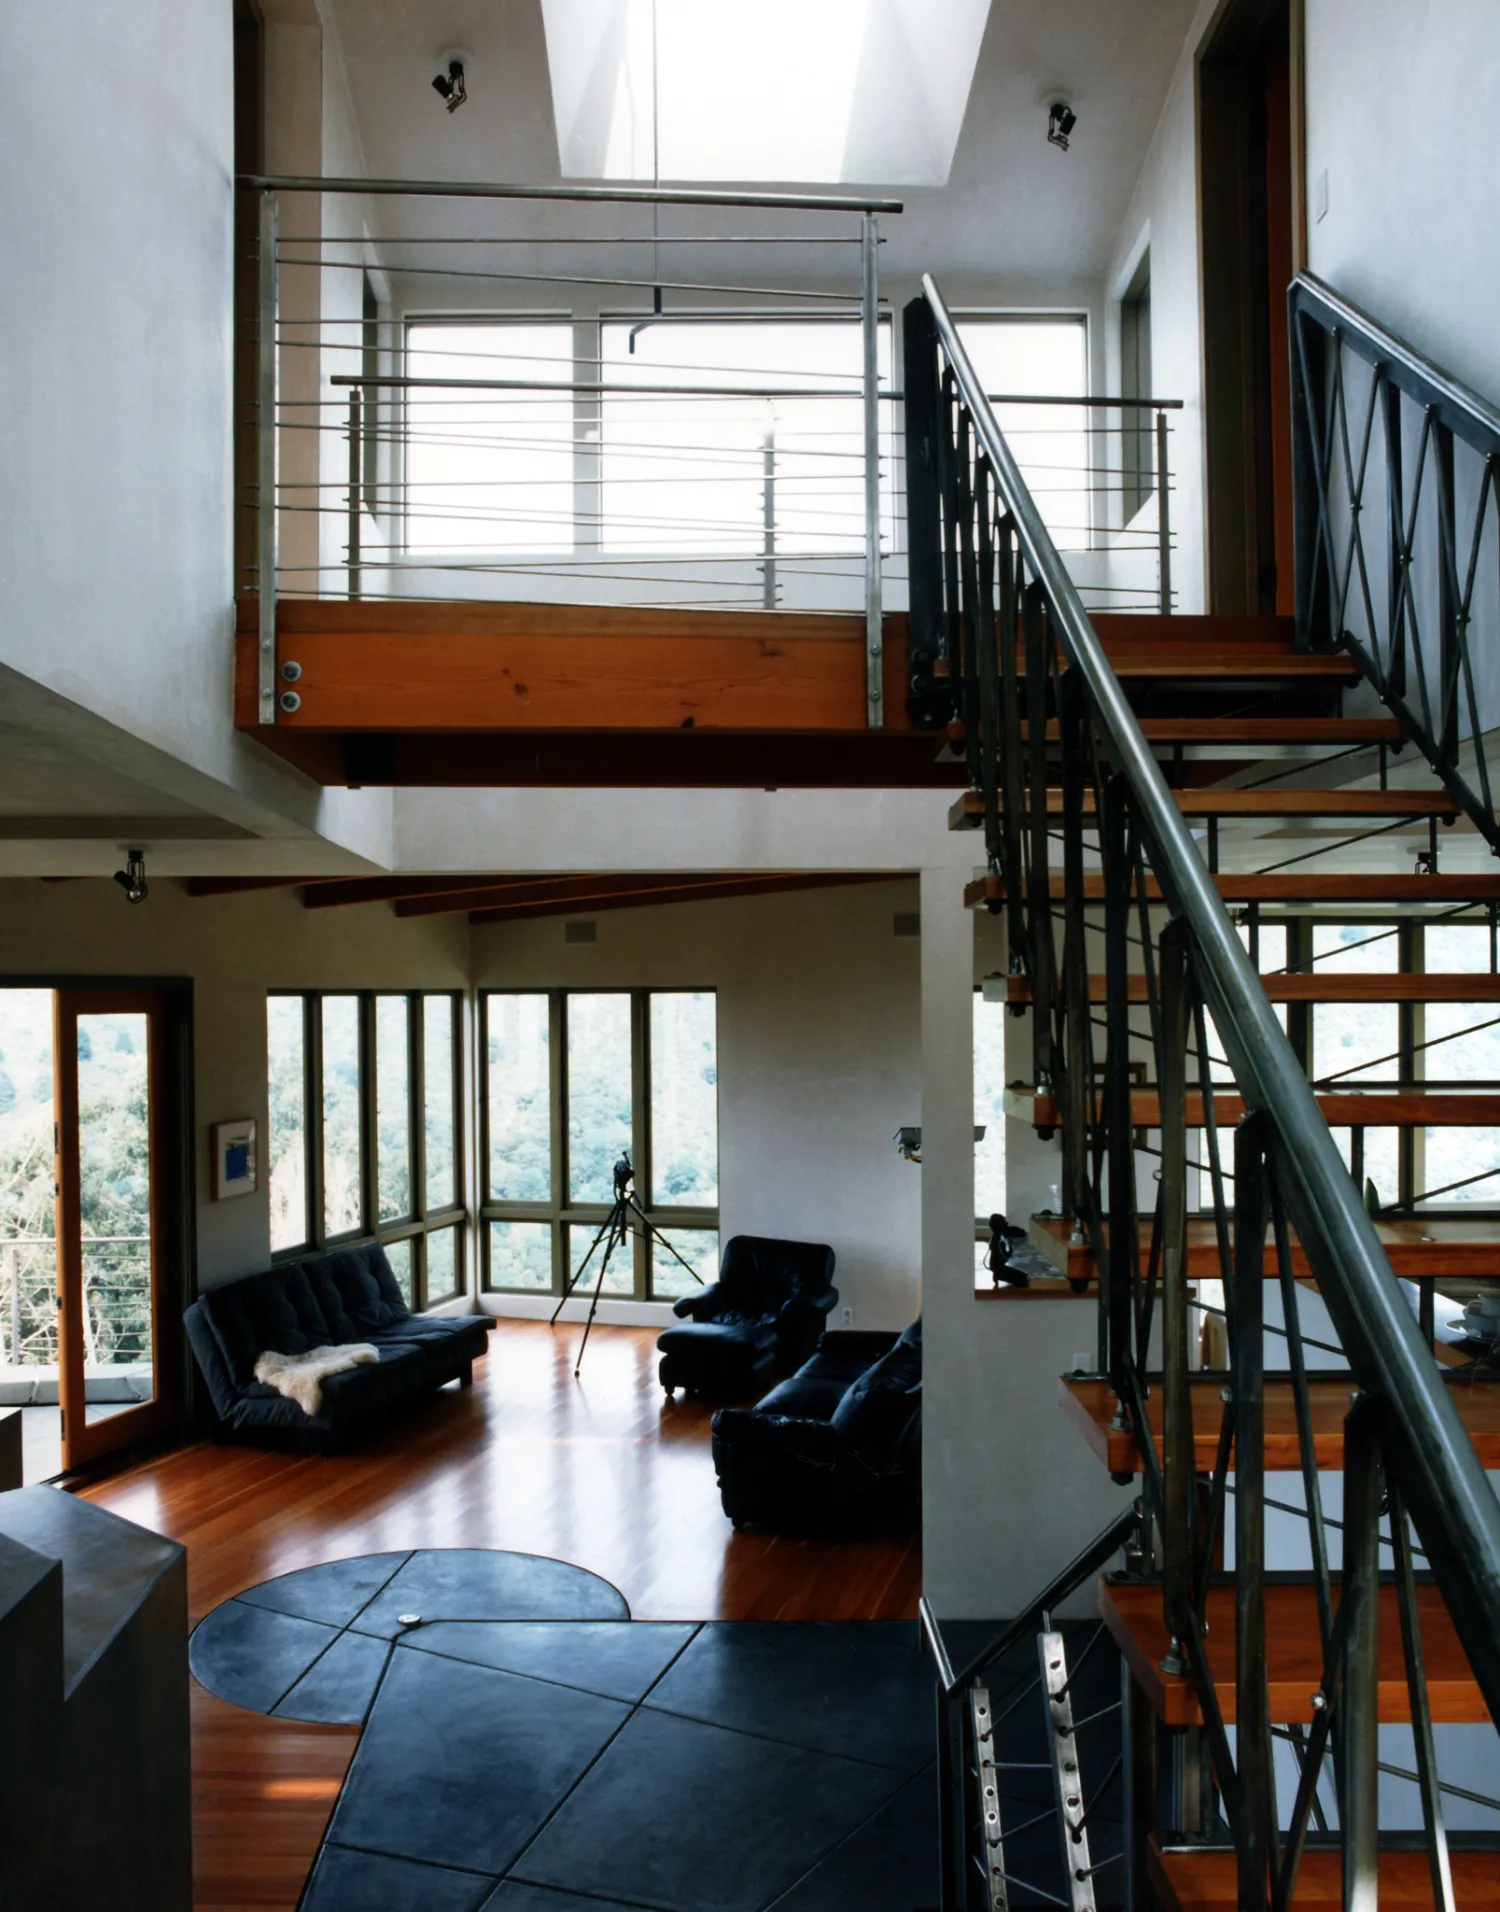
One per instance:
[(339, 1634)]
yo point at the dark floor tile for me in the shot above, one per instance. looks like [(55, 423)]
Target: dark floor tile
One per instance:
[(252, 1655), (512, 1896), (619, 1658), (891, 1860), (691, 1818), (473, 1583), (460, 1765), (333, 1593), (345, 1881), (337, 1689), (861, 1690)]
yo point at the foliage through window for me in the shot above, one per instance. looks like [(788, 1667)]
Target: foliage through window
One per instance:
[(364, 1094), (570, 1080)]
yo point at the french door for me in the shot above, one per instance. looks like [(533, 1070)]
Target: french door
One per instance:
[(109, 1077)]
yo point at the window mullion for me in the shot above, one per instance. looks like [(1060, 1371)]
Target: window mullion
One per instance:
[(557, 1042), (312, 1050), (369, 1130), (416, 1109), (640, 1125)]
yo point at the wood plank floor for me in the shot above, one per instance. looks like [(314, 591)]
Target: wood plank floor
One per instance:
[(602, 1471)]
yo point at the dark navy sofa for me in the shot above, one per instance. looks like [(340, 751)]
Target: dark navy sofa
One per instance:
[(347, 1295)]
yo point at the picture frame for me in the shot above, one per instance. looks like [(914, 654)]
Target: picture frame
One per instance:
[(235, 1164)]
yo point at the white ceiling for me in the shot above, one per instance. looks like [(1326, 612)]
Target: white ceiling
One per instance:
[(1016, 212)]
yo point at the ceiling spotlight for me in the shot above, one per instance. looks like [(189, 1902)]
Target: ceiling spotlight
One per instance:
[(1061, 119), (450, 85), (132, 879)]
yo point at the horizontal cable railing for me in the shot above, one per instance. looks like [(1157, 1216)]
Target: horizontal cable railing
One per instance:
[(690, 419), (1038, 702), (117, 1297)]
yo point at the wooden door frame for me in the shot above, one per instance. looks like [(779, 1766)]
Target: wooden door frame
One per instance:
[(171, 1192), (1246, 568)]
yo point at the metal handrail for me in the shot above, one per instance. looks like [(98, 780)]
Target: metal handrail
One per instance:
[(608, 195), (1455, 1508), (1457, 404)]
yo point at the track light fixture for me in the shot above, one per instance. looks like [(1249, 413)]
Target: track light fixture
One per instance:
[(450, 85), (132, 879), (1061, 119)]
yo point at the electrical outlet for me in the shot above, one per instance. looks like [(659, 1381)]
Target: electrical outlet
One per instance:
[(1082, 1362), (846, 1317)]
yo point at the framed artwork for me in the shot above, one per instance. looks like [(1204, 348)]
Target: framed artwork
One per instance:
[(234, 1158)]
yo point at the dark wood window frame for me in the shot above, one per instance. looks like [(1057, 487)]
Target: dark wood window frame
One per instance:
[(561, 1212), (421, 1220)]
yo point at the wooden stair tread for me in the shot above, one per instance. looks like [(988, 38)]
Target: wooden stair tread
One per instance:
[(1412, 1110), (1417, 1250), (1294, 1654), (968, 812), (1315, 986), (1091, 1407), (1203, 1879), (1253, 886), (1242, 730)]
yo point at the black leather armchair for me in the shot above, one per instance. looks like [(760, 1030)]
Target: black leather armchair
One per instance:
[(758, 1321)]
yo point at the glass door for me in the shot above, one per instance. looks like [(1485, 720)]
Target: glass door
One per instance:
[(108, 1065)]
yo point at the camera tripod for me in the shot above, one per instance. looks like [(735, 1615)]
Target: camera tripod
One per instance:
[(613, 1232)]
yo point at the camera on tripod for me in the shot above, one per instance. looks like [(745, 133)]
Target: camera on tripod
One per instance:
[(624, 1175)]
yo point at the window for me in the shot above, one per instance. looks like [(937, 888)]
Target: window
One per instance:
[(489, 470), (1137, 427), (1041, 357), (364, 1133), (571, 1079)]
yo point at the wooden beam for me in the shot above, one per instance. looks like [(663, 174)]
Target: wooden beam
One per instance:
[(241, 885), (1434, 1248), (709, 889), (482, 893)]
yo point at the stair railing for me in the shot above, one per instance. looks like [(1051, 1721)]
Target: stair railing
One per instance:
[(1039, 702), (1396, 485)]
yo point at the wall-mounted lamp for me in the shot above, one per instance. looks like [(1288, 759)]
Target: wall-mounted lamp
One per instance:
[(909, 1142), (450, 86), (1061, 119), (132, 879)]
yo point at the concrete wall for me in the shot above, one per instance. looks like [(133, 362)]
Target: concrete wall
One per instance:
[(1403, 117)]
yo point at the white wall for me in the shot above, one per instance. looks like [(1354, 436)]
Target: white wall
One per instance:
[(818, 1059), (1403, 115)]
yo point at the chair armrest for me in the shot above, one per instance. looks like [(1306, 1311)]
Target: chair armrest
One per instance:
[(702, 1301), (749, 1431), (823, 1302)]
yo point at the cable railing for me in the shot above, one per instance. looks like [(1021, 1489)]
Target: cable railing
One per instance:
[(1037, 699), (472, 409), (1397, 502), (117, 1325)]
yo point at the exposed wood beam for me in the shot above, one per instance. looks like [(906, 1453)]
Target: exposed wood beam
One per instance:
[(708, 890), (481, 893), (240, 885)]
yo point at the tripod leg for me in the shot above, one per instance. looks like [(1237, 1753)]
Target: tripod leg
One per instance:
[(652, 1233), (573, 1280), (618, 1233)]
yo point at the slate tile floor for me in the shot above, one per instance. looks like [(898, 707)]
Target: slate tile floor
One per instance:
[(527, 1747)]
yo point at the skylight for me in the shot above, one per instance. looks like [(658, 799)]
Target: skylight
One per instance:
[(817, 91)]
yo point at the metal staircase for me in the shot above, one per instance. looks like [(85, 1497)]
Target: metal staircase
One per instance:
[(1131, 781)]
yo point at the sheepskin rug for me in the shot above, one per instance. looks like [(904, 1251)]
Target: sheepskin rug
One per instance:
[(300, 1377)]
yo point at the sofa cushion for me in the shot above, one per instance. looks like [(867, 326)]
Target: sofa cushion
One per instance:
[(878, 1406), (361, 1278), (276, 1312)]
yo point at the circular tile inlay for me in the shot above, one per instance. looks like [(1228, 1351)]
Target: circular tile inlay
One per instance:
[(313, 1645)]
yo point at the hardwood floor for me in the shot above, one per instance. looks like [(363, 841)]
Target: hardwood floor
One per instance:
[(602, 1471)]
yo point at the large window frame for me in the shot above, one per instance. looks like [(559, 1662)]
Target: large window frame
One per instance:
[(422, 1220), (561, 1213)]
